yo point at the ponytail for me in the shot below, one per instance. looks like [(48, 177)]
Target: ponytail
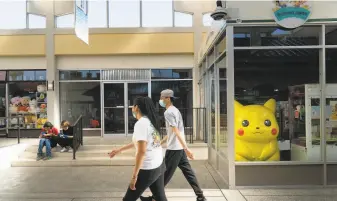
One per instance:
[(147, 108)]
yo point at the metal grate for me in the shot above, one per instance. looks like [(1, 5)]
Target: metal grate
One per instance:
[(140, 74)]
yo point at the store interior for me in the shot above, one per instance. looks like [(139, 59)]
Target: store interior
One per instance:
[(291, 77)]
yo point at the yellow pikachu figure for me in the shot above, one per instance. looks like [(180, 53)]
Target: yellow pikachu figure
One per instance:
[(256, 131)]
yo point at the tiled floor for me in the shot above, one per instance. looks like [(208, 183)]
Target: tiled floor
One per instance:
[(110, 183)]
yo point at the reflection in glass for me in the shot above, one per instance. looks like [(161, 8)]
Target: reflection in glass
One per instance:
[(286, 76), (114, 114), (80, 75), (274, 36), (331, 35), (135, 90), (113, 95), (81, 98), (223, 116), (213, 129), (124, 13), (331, 98), (171, 74), (22, 76), (182, 89), (114, 120)]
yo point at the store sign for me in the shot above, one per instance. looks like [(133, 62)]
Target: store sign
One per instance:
[(291, 14), (81, 20)]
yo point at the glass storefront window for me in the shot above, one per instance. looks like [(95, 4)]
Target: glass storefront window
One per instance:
[(2, 105), (29, 100), (171, 74), (3, 75), (291, 78), (330, 35), (331, 98), (212, 95), (183, 90), (80, 75), (275, 36), (81, 98)]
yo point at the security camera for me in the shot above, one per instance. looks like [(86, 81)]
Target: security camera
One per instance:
[(220, 11)]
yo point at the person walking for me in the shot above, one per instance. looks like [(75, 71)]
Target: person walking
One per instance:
[(177, 150), (149, 167)]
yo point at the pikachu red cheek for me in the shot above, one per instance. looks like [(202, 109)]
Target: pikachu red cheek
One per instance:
[(274, 131), (241, 132)]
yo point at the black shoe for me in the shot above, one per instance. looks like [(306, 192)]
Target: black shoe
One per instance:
[(145, 198), (201, 198)]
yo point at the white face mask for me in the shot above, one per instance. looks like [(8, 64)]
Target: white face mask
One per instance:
[(134, 115), (161, 103)]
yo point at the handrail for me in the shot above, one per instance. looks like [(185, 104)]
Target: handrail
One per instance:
[(16, 127), (78, 135), (194, 122)]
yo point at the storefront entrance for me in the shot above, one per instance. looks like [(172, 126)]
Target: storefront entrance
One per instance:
[(117, 103)]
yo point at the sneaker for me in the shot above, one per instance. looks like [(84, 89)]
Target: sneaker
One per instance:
[(39, 157), (70, 150), (64, 149), (145, 198), (201, 198), (47, 158)]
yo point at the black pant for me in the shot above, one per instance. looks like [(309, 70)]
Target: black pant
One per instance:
[(153, 179), (53, 141), (65, 142), (178, 158)]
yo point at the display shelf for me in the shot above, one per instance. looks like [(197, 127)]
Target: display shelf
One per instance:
[(310, 134), (31, 116)]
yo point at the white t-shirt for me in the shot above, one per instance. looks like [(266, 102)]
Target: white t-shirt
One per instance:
[(174, 119), (144, 131)]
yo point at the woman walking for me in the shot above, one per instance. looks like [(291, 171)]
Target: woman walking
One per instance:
[(149, 166)]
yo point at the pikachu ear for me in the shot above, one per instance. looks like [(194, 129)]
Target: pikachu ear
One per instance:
[(271, 104), (237, 105)]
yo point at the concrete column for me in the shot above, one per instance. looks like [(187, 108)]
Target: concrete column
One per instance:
[(52, 73), (197, 8)]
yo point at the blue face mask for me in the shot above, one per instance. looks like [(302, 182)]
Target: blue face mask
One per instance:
[(134, 115), (161, 103)]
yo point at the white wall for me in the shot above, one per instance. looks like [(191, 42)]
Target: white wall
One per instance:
[(130, 62), (262, 10), (21, 63)]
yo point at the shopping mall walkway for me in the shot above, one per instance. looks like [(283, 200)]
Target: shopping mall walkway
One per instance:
[(108, 183)]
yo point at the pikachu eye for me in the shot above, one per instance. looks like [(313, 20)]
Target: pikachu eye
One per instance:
[(267, 123), (245, 123)]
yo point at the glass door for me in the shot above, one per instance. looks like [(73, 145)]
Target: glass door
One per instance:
[(135, 90), (114, 108), (118, 101)]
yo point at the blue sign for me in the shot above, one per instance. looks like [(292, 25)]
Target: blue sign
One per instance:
[(291, 14)]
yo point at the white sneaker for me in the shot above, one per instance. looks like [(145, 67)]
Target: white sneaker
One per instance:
[(64, 149), (70, 149)]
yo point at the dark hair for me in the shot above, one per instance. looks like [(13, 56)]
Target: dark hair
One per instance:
[(48, 124), (146, 107), (172, 100)]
